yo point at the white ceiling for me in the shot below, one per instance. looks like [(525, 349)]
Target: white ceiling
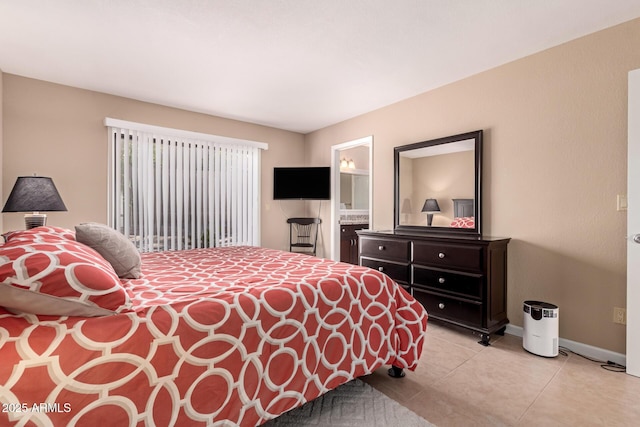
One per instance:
[(299, 65)]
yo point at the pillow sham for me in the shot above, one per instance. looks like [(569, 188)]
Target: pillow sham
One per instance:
[(463, 222), (61, 278), (114, 246), (43, 233)]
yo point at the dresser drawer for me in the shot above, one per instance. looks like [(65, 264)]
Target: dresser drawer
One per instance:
[(469, 285), (454, 309), (451, 256), (398, 272), (395, 250)]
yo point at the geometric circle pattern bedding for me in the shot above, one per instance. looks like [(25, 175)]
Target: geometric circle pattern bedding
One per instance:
[(225, 336), (39, 234), (463, 222), (43, 272)]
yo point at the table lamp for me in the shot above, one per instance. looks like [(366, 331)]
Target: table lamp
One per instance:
[(34, 194), (430, 207)]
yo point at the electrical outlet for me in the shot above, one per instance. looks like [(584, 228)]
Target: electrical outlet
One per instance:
[(619, 315)]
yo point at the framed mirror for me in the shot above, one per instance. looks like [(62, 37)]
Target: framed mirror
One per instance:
[(438, 185)]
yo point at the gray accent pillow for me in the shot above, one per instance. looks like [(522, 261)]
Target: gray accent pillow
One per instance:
[(114, 246)]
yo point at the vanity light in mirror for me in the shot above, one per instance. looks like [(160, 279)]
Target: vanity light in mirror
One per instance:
[(347, 164), (447, 170)]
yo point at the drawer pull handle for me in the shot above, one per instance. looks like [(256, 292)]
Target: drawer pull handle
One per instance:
[(380, 268), (441, 255), (441, 305), (441, 280), (381, 248)]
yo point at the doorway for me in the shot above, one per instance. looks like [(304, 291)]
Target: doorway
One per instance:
[(360, 167)]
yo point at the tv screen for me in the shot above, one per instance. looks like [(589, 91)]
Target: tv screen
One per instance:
[(308, 183)]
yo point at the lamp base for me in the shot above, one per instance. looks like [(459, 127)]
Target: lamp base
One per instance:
[(429, 219), (35, 220)]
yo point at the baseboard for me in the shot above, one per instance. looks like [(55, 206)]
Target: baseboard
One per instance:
[(580, 348)]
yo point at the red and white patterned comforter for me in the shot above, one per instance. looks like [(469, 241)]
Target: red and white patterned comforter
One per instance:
[(226, 336)]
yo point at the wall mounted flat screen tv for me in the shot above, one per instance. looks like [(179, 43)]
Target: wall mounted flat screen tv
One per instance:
[(302, 183)]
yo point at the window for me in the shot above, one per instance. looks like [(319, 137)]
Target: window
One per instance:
[(171, 189)]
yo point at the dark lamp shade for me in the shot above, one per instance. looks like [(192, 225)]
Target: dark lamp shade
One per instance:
[(34, 194), (431, 205)]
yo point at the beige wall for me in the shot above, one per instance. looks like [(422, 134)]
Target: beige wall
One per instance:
[(359, 155), (554, 160), (58, 131)]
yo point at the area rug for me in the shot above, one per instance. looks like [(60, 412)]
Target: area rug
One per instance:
[(354, 404)]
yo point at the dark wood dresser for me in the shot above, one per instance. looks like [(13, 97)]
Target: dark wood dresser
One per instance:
[(461, 280)]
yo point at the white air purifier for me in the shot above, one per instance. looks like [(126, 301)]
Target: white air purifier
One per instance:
[(540, 330)]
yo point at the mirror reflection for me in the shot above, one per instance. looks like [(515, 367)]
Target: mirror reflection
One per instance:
[(354, 185), (437, 183), (354, 190), (431, 178)]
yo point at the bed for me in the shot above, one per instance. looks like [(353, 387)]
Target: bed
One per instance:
[(463, 213), (224, 336)]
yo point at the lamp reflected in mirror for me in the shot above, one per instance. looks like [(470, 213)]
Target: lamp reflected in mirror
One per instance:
[(34, 194), (406, 208), (430, 207)]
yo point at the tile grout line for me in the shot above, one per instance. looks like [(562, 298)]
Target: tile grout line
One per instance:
[(564, 364)]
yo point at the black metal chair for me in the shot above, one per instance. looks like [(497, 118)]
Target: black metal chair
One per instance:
[(303, 235)]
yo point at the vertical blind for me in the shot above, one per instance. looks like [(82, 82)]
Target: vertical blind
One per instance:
[(172, 190)]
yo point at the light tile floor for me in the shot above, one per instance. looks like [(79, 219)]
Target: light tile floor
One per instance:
[(462, 383)]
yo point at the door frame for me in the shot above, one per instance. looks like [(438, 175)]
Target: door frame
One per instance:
[(366, 141), (633, 226)]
